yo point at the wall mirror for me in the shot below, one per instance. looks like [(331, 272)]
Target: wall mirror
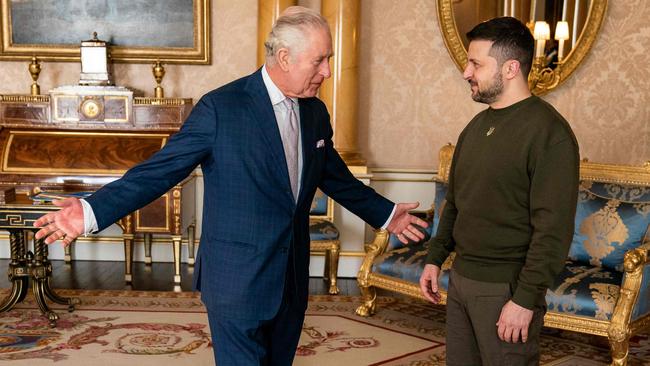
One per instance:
[(564, 32)]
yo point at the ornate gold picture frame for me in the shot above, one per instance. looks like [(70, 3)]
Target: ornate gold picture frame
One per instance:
[(173, 31)]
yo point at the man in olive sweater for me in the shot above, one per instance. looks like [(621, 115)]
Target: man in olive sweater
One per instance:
[(510, 206)]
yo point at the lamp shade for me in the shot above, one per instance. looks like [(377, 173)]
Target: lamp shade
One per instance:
[(542, 30), (562, 31)]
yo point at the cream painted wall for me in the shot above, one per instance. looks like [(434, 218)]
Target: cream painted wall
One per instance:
[(412, 98)]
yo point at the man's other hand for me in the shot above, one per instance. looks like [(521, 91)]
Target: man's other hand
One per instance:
[(513, 321), (429, 283), (402, 224), (66, 224)]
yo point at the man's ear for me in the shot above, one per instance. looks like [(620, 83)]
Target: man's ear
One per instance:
[(511, 68), (282, 58)]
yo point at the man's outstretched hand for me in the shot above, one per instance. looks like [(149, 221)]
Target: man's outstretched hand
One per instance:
[(403, 223), (66, 224)]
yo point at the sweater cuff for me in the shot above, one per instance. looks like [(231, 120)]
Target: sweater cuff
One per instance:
[(526, 297), (437, 254)]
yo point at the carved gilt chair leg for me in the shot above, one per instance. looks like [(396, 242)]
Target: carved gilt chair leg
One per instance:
[(619, 346), (332, 256), (369, 295)]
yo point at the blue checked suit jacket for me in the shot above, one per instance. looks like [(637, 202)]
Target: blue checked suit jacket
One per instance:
[(250, 217)]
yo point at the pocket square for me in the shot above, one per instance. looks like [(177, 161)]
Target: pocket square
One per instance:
[(320, 143)]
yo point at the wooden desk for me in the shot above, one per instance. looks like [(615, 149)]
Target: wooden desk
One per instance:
[(19, 219), (80, 153)]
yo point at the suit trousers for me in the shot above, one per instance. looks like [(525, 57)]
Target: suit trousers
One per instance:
[(254, 342), (473, 309)]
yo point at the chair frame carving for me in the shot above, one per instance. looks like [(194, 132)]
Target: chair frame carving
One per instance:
[(618, 330), (330, 248)]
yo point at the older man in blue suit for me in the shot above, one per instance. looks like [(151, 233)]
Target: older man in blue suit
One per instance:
[(264, 143)]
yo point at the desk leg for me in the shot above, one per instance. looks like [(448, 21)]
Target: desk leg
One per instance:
[(191, 238), (39, 274), (148, 237), (176, 241), (47, 288), (18, 271), (128, 234), (128, 258)]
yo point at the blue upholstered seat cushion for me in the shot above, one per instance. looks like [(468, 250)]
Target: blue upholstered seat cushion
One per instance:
[(407, 263), (585, 290), (319, 204), (610, 220), (322, 230)]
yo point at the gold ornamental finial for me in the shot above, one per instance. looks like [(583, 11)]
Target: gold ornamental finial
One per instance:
[(158, 73), (35, 70)]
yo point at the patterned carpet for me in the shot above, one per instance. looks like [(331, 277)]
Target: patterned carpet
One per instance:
[(166, 328)]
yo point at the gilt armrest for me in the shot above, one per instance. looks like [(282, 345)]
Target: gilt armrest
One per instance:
[(636, 258), (373, 249), (634, 262)]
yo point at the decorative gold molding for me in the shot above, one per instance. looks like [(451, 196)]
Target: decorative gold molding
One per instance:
[(402, 171), (14, 98), (576, 323), (611, 173), (176, 200), (584, 44), (161, 101)]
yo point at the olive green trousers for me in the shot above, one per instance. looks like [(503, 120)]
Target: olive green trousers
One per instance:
[(473, 309)]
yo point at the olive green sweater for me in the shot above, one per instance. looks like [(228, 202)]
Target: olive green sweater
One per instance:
[(511, 200)]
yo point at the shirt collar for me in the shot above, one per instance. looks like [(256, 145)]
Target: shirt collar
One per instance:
[(275, 93)]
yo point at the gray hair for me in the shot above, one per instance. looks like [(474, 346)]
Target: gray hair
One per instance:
[(290, 29)]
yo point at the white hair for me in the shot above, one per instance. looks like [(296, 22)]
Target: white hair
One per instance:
[(290, 29)]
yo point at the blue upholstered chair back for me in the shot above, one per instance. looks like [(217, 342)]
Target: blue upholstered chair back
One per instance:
[(610, 220), (321, 206)]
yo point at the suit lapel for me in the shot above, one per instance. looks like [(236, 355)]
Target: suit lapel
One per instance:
[(263, 112), (307, 126)]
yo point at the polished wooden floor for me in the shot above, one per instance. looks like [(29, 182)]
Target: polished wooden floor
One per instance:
[(105, 275)]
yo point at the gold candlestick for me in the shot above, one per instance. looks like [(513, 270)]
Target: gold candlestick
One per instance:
[(158, 73), (35, 70)]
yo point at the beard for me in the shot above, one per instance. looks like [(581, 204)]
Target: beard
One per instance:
[(490, 94)]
